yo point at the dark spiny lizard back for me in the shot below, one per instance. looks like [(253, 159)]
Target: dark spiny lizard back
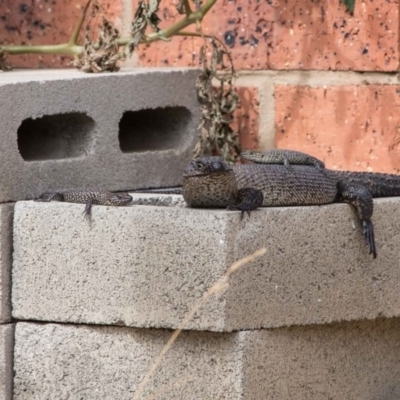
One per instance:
[(209, 182), (299, 186)]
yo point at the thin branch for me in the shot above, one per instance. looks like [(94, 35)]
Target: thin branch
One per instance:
[(188, 10), (176, 27), (72, 49), (219, 286), (77, 29), (64, 48)]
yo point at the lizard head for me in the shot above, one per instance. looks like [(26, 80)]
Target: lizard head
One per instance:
[(205, 166), (119, 199), (209, 182)]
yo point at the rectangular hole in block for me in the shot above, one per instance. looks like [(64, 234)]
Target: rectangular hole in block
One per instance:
[(57, 136), (153, 129)]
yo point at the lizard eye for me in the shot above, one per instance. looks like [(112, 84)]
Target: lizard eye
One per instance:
[(199, 165), (217, 166)]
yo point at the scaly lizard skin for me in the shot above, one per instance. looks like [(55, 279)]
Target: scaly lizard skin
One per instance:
[(285, 157), (210, 182), (89, 197)]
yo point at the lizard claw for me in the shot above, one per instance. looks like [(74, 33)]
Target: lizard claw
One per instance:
[(87, 213), (242, 210), (249, 200), (368, 232)]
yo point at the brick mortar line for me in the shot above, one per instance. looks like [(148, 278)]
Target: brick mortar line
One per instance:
[(266, 108), (267, 116), (317, 78), (127, 16), (266, 80)]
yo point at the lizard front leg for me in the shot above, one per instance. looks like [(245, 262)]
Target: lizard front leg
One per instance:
[(249, 199), (88, 209), (360, 197)]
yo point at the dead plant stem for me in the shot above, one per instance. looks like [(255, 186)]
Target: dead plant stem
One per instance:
[(218, 287), (73, 49)]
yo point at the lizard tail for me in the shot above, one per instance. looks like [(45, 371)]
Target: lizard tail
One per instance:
[(379, 184), (171, 190)]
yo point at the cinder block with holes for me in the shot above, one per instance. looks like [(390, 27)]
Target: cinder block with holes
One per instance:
[(63, 129), (353, 360)]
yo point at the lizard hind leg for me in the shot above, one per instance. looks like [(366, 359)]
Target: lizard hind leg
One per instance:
[(360, 197), (249, 199)]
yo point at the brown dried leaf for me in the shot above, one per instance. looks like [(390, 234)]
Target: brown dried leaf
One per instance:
[(145, 15), (104, 55), (217, 103), (4, 65)]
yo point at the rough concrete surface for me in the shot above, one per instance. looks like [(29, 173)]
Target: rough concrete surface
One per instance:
[(148, 199), (146, 266), (6, 218), (6, 361), (358, 360), (352, 361), (64, 129), (85, 362)]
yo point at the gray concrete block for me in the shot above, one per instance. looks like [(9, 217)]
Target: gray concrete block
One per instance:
[(64, 129), (6, 218), (146, 266), (358, 360), (147, 199), (86, 362), (6, 361)]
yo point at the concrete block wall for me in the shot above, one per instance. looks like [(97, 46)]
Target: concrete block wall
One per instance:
[(85, 296), (6, 360), (6, 221), (6, 325), (357, 360), (145, 266), (64, 129)]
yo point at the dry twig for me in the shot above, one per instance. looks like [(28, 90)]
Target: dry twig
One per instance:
[(72, 48), (103, 55), (220, 286)]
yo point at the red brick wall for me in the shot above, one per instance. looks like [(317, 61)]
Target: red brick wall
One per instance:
[(39, 22), (312, 77)]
